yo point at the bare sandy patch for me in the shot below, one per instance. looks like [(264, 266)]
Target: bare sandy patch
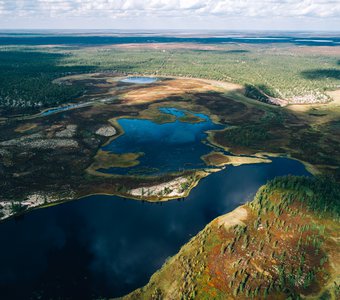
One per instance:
[(68, 132), (335, 95), (166, 88), (173, 188), (236, 217), (25, 127), (324, 50), (106, 131), (225, 85), (319, 113)]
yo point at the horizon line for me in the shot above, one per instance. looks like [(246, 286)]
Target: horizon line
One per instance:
[(171, 29)]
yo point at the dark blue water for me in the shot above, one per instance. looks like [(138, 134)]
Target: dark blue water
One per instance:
[(108, 246), (220, 38), (140, 80), (167, 147)]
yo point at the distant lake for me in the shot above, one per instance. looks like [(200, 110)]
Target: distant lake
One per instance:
[(103, 246), (16, 38)]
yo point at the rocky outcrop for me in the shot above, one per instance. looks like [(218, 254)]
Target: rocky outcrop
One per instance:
[(106, 131)]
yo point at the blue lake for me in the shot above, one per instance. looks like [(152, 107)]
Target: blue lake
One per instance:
[(167, 147), (139, 80), (103, 246)]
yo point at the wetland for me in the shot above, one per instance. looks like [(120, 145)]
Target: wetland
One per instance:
[(143, 169)]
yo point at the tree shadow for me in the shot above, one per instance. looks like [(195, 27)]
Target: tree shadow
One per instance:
[(26, 79), (30, 61), (321, 74), (234, 51)]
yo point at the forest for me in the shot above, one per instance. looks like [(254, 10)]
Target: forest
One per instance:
[(320, 194), (26, 80), (284, 71)]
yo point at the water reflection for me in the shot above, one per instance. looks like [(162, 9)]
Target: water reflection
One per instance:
[(108, 246)]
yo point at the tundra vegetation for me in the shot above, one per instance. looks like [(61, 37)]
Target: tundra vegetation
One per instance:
[(61, 151), (302, 76), (281, 245)]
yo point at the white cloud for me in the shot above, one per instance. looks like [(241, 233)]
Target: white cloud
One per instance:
[(185, 10), (246, 8)]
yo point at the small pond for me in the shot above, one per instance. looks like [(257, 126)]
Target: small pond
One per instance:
[(139, 80)]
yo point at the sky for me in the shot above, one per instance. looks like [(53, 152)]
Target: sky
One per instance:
[(297, 15)]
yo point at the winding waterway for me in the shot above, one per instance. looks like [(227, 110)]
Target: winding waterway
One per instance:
[(109, 246)]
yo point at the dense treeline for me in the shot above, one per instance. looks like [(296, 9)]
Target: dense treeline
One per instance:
[(279, 73), (301, 199), (255, 134), (26, 80), (27, 72), (246, 135), (321, 194)]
